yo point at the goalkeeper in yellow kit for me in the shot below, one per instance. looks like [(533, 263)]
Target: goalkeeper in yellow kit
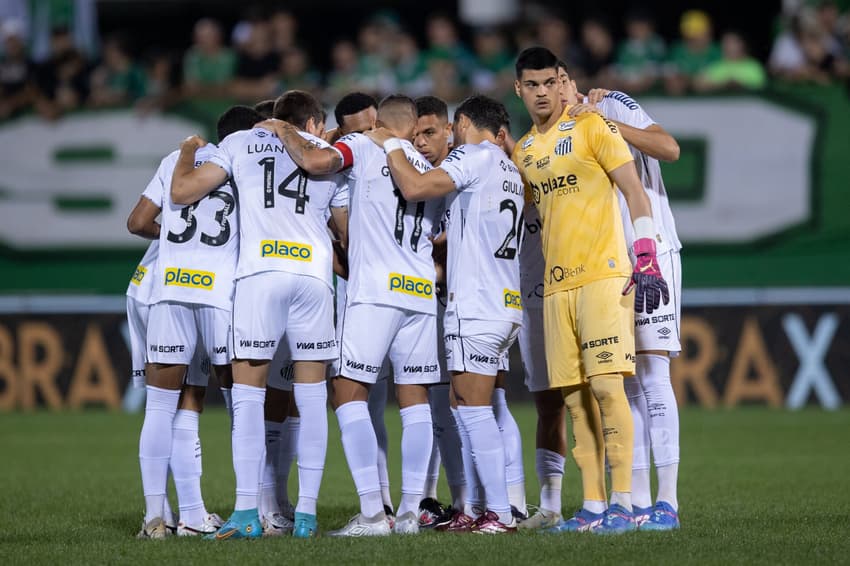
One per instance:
[(570, 166)]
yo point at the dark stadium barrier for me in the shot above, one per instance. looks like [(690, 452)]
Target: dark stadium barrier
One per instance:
[(56, 356)]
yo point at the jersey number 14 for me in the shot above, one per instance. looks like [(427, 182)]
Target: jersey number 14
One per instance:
[(299, 193)]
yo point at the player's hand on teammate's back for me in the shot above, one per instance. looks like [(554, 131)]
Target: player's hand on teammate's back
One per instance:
[(192, 143), (650, 287), (596, 95), (379, 135)]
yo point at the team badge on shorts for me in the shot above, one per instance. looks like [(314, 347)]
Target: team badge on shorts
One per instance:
[(564, 146)]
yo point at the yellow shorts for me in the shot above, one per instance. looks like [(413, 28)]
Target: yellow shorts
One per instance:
[(589, 330)]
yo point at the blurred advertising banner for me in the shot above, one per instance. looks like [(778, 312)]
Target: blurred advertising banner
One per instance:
[(70, 354)]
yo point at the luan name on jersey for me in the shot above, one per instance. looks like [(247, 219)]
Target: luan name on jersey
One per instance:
[(282, 210)]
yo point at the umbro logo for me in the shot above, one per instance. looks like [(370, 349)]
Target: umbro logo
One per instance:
[(605, 356), (664, 331)]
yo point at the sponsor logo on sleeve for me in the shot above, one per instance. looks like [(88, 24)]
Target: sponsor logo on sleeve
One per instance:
[(138, 275), (566, 126), (286, 250), (414, 286), (527, 143), (194, 279), (513, 299)]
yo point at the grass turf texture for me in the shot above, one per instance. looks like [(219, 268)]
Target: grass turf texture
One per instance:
[(757, 486)]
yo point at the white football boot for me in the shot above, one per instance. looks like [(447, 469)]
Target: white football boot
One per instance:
[(360, 526)]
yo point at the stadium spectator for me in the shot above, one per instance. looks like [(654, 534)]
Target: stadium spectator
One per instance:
[(16, 70), (63, 80), (408, 63), (737, 70), (493, 72), (693, 54), (284, 30), (297, 74), (640, 55), (118, 79), (162, 81), (804, 53), (79, 17), (373, 68), (447, 79), (597, 52), (257, 66), (208, 65), (555, 35), (343, 77), (444, 45)]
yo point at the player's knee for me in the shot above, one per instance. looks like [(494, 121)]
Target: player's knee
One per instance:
[(607, 388)]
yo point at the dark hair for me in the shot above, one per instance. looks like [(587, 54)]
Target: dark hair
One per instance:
[(352, 103), (562, 65), (237, 118), (399, 100), (428, 105), (297, 107), (265, 107), (535, 58), (484, 112)]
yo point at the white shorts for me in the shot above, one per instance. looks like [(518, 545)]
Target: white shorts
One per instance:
[(281, 369), (137, 325), (372, 333), (273, 306), (480, 346), (532, 350), (175, 330), (660, 330), (445, 376)]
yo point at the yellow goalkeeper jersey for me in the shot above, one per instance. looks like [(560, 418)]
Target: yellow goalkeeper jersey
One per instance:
[(564, 171)]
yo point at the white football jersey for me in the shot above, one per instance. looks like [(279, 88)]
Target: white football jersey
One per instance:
[(621, 107), (485, 217), (141, 283), (198, 243), (389, 250), (532, 264), (282, 210)]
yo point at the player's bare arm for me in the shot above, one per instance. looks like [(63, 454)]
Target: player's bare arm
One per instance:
[(414, 186), (142, 220), (315, 160), (190, 184), (654, 141), (338, 223)]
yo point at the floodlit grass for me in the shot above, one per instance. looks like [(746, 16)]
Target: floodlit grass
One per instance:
[(757, 486)]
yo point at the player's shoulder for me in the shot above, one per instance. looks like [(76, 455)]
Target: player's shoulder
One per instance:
[(243, 136), (593, 122), (204, 153), (523, 144), (315, 140), (621, 99), (414, 157)]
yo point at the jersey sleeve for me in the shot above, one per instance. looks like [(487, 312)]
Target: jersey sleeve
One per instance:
[(349, 148), (156, 187), (341, 194), (606, 143), (623, 108), (457, 165), (223, 154)]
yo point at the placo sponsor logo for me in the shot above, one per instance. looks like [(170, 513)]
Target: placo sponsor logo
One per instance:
[(179, 277), (286, 250), (513, 299), (413, 286), (138, 275)]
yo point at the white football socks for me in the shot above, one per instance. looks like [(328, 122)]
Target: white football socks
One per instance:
[(447, 437), (186, 467), (268, 485), (417, 439), (641, 494), (488, 455), (312, 401), (155, 447), (473, 503), (654, 374), (432, 476), (227, 393), (550, 474), (512, 440), (288, 446), (249, 443), (361, 452), (377, 407)]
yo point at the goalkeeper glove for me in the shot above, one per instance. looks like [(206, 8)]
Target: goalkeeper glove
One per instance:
[(650, 287)]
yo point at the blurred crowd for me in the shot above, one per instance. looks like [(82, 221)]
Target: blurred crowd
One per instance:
[(263, 54)]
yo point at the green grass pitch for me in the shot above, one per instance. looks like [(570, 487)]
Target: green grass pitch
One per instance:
[(757, 487)]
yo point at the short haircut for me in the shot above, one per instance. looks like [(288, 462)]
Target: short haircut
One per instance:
[(266, 108), (535, 59), (397, 107), (484, 112), (431, 105), (297, 107), (352, 103), (562, 65), (235, 119)]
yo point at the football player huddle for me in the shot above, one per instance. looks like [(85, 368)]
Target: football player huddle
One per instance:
[(286, 257)]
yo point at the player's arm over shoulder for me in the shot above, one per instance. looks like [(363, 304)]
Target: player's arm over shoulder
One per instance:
[(189, 183), (604, 141), (639, 129)]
